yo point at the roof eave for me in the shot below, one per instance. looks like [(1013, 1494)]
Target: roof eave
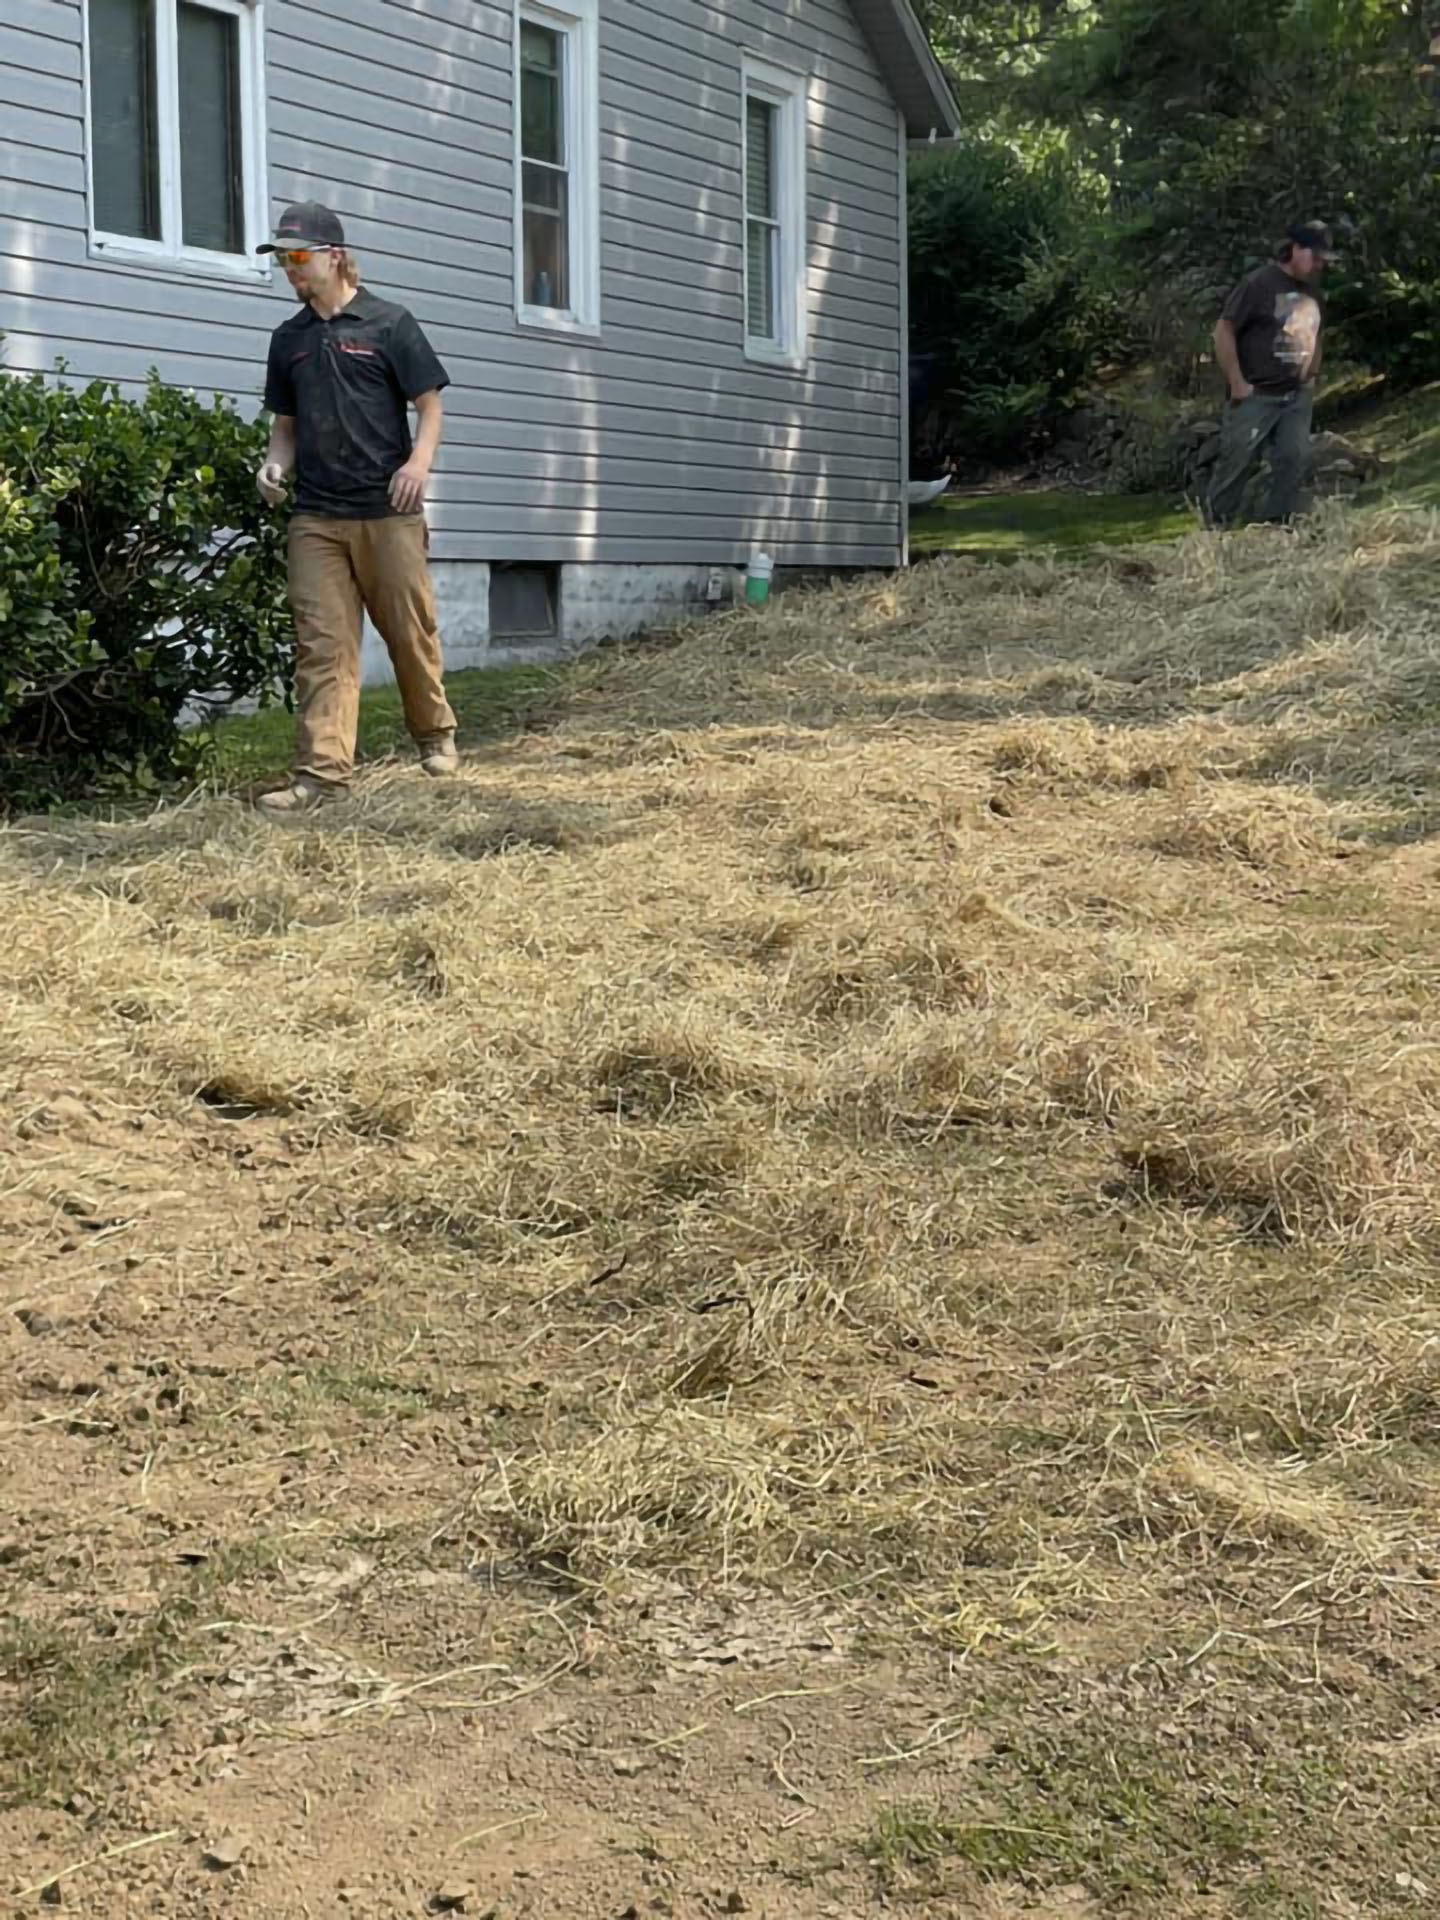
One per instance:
[(915, 76)]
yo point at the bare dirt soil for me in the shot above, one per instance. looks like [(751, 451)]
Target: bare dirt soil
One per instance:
[(811, 1293)]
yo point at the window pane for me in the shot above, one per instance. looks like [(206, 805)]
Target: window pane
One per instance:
[(544, 187), (122, 118), (212, 191), (542, 94), (540, 46), (761, 120), (546, 216), (762, 245)]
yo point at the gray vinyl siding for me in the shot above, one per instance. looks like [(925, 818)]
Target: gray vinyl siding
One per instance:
[(657, 442)]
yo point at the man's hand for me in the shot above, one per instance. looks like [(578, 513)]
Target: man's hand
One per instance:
[(270, 483), (407, 486), (1240, 390)]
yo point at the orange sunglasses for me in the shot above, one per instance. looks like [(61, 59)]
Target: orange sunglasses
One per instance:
[(299, 256)]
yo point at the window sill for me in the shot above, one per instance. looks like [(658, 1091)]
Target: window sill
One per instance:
[(776, 358), (564, 326), (224, 269)]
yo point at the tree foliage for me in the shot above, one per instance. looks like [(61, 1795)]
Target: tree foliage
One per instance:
[(1213, 126), (1009, 307), (1223, 121), (995, 44)]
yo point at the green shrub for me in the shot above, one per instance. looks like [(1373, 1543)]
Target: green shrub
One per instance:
[(1010, 303), (141, 583)]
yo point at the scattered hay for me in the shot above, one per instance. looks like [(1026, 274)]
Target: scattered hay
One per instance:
[(818, 1140), (1264, 829), (649, 1074), (1227, 1502), (1305, 1155), (1075, 755), (864, 972)]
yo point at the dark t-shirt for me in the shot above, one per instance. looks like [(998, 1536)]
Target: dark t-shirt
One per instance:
[(1277, 322), (348, 382)]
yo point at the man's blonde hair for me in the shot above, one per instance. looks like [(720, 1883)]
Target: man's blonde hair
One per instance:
[(349, 267)]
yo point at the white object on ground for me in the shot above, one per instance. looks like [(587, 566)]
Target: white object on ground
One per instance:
[(924, 493)]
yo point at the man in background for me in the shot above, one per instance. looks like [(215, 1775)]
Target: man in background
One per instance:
[(1267, 345), (342, 376)]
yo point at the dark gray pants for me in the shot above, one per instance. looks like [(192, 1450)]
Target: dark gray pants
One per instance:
[(1276, 425)]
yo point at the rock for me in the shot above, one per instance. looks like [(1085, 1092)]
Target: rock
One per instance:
[(1084, 422), (35, 1323), (628, 1765), (227, 1852), (52, 1894), (452, 1898), (736, 1903), (1330, 452)]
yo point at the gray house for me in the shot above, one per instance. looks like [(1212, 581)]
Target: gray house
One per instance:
[(660, 245)]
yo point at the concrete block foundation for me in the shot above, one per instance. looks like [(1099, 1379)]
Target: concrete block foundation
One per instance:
[(617, 602), (594, 603), (462, 600)]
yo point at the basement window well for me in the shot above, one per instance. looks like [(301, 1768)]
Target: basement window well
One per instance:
[(524, 601)]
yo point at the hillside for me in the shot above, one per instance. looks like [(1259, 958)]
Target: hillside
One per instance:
[(810, 1294)]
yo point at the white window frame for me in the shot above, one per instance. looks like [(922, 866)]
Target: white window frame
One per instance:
[(170, 251), (790, 94), (578, 21)]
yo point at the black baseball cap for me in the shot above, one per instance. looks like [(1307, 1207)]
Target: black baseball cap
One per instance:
[(307, 224), (1313, 235)]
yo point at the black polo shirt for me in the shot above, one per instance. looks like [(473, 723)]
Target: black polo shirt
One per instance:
[(348, 382)]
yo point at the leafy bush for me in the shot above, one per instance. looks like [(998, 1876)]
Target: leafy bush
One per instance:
[(141, 582), (1010, 304)]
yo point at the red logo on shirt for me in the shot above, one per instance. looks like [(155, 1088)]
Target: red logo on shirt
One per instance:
[(366, 353)]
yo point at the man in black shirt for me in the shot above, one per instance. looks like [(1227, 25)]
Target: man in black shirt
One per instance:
[(342, 376), (1267, 344)]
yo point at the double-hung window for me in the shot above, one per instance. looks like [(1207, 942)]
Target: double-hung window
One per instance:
[(177, 131), (776, 249), (557, 165)]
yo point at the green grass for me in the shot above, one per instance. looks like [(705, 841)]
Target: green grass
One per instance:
[(79, 1698), (489, 702), (1003, 525), (1130, 1819), (370, 1394)]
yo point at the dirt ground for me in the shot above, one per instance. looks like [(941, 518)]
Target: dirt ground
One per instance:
[(811, 1293)]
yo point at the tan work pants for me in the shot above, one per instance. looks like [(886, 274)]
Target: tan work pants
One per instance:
[(339, 571)]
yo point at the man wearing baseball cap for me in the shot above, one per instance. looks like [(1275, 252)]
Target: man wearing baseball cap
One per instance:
[(342, 375), (1267, 345)]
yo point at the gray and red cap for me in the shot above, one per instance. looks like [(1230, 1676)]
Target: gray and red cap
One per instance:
[(306, 224)]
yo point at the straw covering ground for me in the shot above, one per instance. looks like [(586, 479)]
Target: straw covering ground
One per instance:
[(811, 1293)]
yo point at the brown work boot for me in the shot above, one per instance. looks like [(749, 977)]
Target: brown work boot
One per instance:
[(438, 757), (302, 795)]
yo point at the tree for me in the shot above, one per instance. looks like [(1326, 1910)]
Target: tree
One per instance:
[(1009, 301), (991, 49), (1222, 121)]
